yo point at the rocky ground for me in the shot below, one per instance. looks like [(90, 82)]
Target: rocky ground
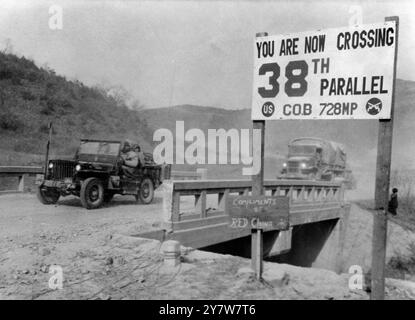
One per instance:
[(99, 260)]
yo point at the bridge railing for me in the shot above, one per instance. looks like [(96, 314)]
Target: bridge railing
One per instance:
[(322, 198)]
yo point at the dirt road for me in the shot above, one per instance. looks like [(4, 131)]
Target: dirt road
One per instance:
[(98, 263), (23, 214), (33, 236)]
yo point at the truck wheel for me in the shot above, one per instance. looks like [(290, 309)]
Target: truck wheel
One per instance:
[(47, 196), (146, 192), (92, 193)]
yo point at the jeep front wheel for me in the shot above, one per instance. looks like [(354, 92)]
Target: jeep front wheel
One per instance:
[(146, 192), (47, 195), (92, 193)]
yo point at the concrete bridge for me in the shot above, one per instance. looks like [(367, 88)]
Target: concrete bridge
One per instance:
[(318, 219)]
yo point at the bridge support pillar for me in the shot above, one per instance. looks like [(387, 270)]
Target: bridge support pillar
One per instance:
[(330, 254), (331, 240), (319, 244), (342, 225), (281, 244)]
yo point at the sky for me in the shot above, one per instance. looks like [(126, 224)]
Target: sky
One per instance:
[(179, 52)]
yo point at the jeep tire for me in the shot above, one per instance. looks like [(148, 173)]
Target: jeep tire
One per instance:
[(146, 191), (47, 195), (92, 193)]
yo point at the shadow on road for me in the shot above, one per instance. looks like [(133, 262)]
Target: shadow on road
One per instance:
[(117, 201)]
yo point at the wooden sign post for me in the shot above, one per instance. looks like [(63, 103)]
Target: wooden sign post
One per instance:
[(383, 166), (257, 190), (258, 213)]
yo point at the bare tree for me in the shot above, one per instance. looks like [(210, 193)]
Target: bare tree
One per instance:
[(8, 46), (121, 96)]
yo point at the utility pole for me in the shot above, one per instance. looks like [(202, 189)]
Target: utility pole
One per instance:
[(47, 149)]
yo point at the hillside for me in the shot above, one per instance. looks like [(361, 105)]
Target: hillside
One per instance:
[(30, 97), (203, 118)]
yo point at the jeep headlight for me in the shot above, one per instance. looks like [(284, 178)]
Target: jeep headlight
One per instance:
[(303, 165), (284, 165), (50, 165), (78, 167)]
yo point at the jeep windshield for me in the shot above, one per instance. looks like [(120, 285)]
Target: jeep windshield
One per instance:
[(102, 148), (98, 151)]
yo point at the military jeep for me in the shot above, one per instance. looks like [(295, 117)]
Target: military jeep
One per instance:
[(96, 174)]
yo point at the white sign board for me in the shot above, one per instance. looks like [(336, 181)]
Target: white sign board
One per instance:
[(344, 73)]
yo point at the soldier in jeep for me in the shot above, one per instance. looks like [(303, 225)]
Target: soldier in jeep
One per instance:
[(140, 154), (132, 157)]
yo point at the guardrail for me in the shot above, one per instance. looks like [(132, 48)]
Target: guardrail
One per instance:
[(310, 201), (22, 172)]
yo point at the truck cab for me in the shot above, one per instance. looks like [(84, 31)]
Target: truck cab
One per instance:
[(314, 159), (302, 162)]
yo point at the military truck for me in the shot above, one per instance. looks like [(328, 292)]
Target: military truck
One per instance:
[(315, 159), (96, 174)]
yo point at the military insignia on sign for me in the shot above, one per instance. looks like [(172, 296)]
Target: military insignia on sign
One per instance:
[(374, 106)]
